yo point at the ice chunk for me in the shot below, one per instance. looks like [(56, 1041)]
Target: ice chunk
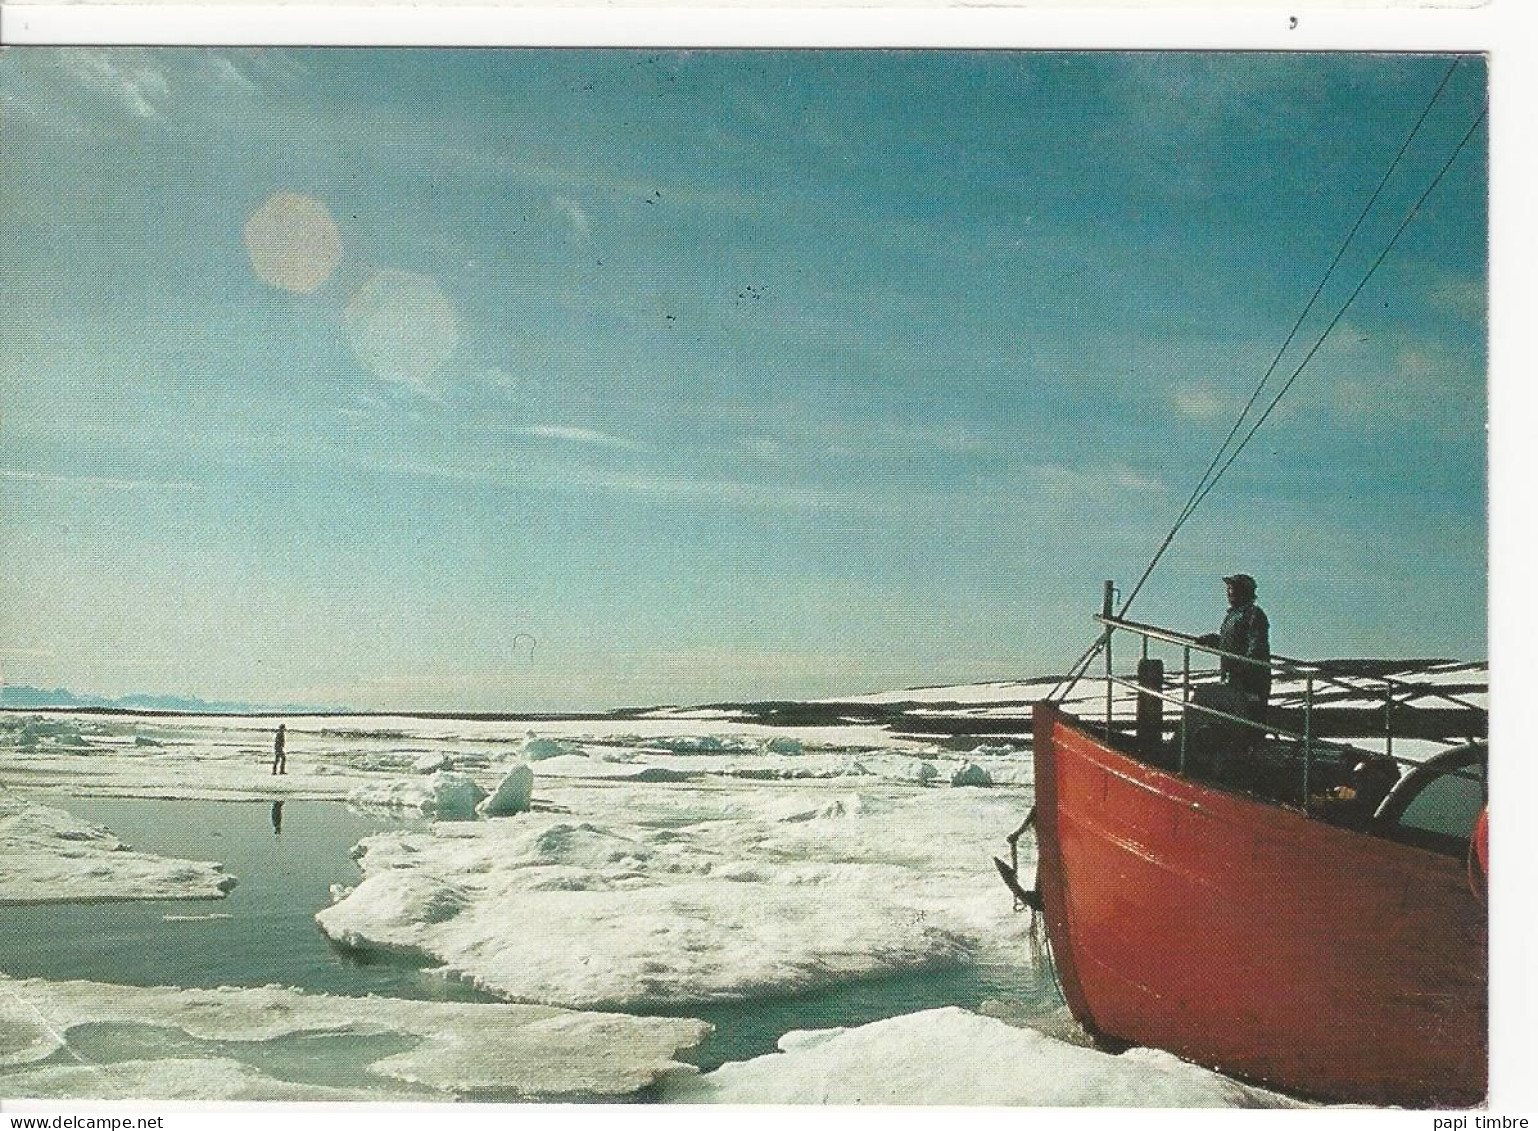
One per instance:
[(783, 744), (954, 1057), (610, 754), (512, 795), (1018, 772), (970, 773), (656, 774), (457, 1050), (899, 767), (48, 856), (446, 796), (432, 763), (537, 749)]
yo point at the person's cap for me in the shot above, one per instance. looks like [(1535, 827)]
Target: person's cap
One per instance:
[(1242, 580)]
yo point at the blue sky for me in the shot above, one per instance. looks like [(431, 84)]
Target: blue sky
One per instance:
[(717, 374)]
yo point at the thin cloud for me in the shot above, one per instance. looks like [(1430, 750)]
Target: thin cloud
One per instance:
[(126, 77), (103, 482), (575, 216), (1093, 484), (1201, 402), (565, 478), (71, 89), (227, 74), (727, 492), (930, 439), (793, 432), (1462, 295), (1401, 375), (589, 436), (331, 454), (577, 177)]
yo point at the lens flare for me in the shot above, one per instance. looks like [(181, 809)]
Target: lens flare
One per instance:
[(293, 242), (402, 327)]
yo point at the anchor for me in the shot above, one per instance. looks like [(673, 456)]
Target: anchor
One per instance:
[(1010, 873)]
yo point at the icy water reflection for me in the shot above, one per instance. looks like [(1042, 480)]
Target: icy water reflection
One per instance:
[(262, 933)]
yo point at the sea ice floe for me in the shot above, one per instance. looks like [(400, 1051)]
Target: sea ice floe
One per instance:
[(456, 1050), (1002, 751), (445, 796), (635, 899), (1011, 691), (34, 732), (47, 855), (705, 940), (328, 757), (954, 1057), (211, 1079)]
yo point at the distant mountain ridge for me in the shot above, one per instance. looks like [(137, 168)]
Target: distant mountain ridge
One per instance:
[(24, 697)]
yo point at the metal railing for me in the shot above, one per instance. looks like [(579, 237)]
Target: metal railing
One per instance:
[(1312, 674)]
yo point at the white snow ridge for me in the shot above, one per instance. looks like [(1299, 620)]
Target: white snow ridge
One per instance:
[(953, 1057)]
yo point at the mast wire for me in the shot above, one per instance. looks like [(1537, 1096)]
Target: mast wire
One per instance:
[(1205, 483), (1405, 223), (1209, 479)]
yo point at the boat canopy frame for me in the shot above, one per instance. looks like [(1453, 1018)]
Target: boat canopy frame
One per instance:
[(1312, 673)]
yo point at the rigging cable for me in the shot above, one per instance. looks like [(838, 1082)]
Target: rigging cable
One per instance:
[(1205, 483), (1405, 223), (1209, 479)]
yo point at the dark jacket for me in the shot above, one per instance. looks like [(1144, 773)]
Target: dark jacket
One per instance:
[(1246, 632)]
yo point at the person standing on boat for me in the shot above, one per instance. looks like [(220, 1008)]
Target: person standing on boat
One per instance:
[(279, 757), (1245, 632)]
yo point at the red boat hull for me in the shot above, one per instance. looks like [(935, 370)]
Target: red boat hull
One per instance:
[(1249, 938)]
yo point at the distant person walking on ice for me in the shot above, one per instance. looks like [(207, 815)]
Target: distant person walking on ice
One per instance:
[(1245, 632), (279, 758)]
